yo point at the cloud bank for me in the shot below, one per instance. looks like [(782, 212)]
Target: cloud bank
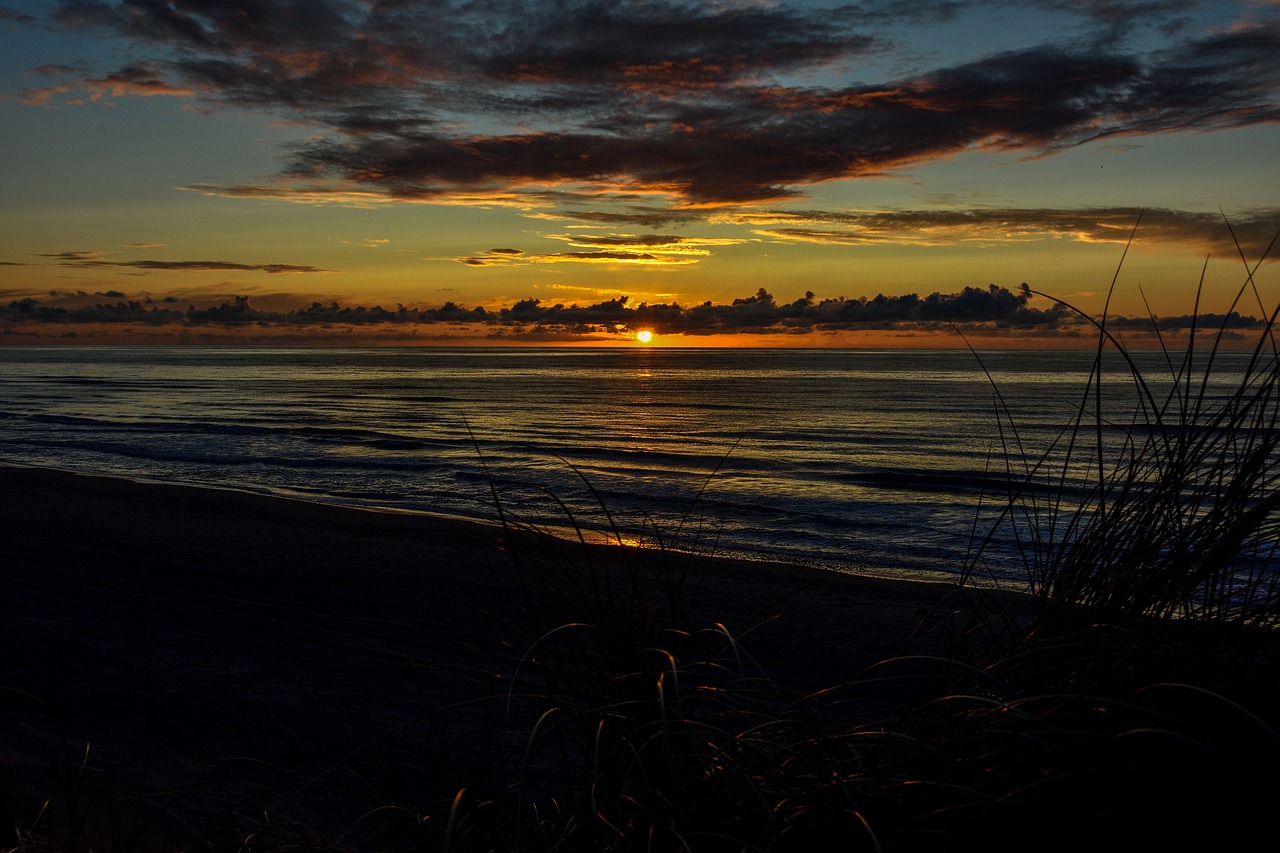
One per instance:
[(972, 310), (695, 105)]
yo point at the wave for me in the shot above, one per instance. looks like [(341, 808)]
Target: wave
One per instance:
[(328, 435), (854, 456), (222, 457)]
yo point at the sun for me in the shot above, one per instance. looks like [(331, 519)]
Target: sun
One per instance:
[(644, 336)]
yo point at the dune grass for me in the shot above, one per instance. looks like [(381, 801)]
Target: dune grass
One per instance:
[(1166, 510), (1135, 689)]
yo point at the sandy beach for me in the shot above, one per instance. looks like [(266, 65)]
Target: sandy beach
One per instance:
[(218, 642)]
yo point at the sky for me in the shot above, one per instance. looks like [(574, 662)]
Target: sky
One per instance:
[(551, 171)]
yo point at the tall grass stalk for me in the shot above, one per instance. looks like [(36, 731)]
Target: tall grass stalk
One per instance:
[(1170, 512)]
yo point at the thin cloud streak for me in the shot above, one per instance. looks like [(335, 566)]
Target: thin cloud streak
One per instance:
[(642, 249), (94, 260), (506, 257), (1211, 233)]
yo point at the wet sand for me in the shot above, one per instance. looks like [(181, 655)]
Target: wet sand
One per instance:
[(224, 642)]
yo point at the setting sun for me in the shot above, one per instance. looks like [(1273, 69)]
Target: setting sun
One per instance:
[(644, 336)]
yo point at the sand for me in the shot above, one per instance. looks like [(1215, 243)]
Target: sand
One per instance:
[(219, 644)]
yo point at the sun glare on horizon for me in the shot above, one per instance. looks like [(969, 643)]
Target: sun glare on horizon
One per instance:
[(644, 336)]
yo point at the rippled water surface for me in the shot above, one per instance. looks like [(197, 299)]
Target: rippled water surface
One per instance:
[(845, 459)]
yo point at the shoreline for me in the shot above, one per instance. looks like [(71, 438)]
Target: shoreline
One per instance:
[(213, 630), (602, 539)]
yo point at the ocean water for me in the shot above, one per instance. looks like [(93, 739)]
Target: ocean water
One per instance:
[(849, 460)]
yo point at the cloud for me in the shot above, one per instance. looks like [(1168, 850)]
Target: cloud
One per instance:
[(136, 80), (972, 309), (698, 104), (52, 70), (516, 257), (321, 195), (817, 235), (661, 244), (195, 266), (7, 14), (94, 260), (630, 216), (73, 257), (1205, 232), (668, 46), (643, 249)]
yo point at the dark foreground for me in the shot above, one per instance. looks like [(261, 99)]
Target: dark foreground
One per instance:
[(187, 668), (253, 663)]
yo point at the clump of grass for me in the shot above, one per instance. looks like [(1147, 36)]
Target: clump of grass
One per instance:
[(1170, 513), (1131, 694), (92, 807), (639, 727)]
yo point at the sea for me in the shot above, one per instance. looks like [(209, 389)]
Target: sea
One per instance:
[(895, 462)]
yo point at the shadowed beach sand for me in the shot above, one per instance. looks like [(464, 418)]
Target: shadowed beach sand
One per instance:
[(221, 642)]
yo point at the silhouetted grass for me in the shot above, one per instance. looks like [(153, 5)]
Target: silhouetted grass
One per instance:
[(1133, 694)]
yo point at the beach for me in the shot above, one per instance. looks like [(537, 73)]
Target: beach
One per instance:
[(221, 644)]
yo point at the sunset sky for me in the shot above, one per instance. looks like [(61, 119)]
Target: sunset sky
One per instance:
[(511, 170)]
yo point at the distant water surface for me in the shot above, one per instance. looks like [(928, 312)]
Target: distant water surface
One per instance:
[(843, 459)]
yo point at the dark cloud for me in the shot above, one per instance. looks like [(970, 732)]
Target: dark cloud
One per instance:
[(1208, 232), (1228, 79), (902, 12), (610, 255), (7, 14), (95, 260), (646, 249), (54, 70), (497, 257), (273, 269), (72, 257), (664, 46), (707, 104), (656, 242)]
